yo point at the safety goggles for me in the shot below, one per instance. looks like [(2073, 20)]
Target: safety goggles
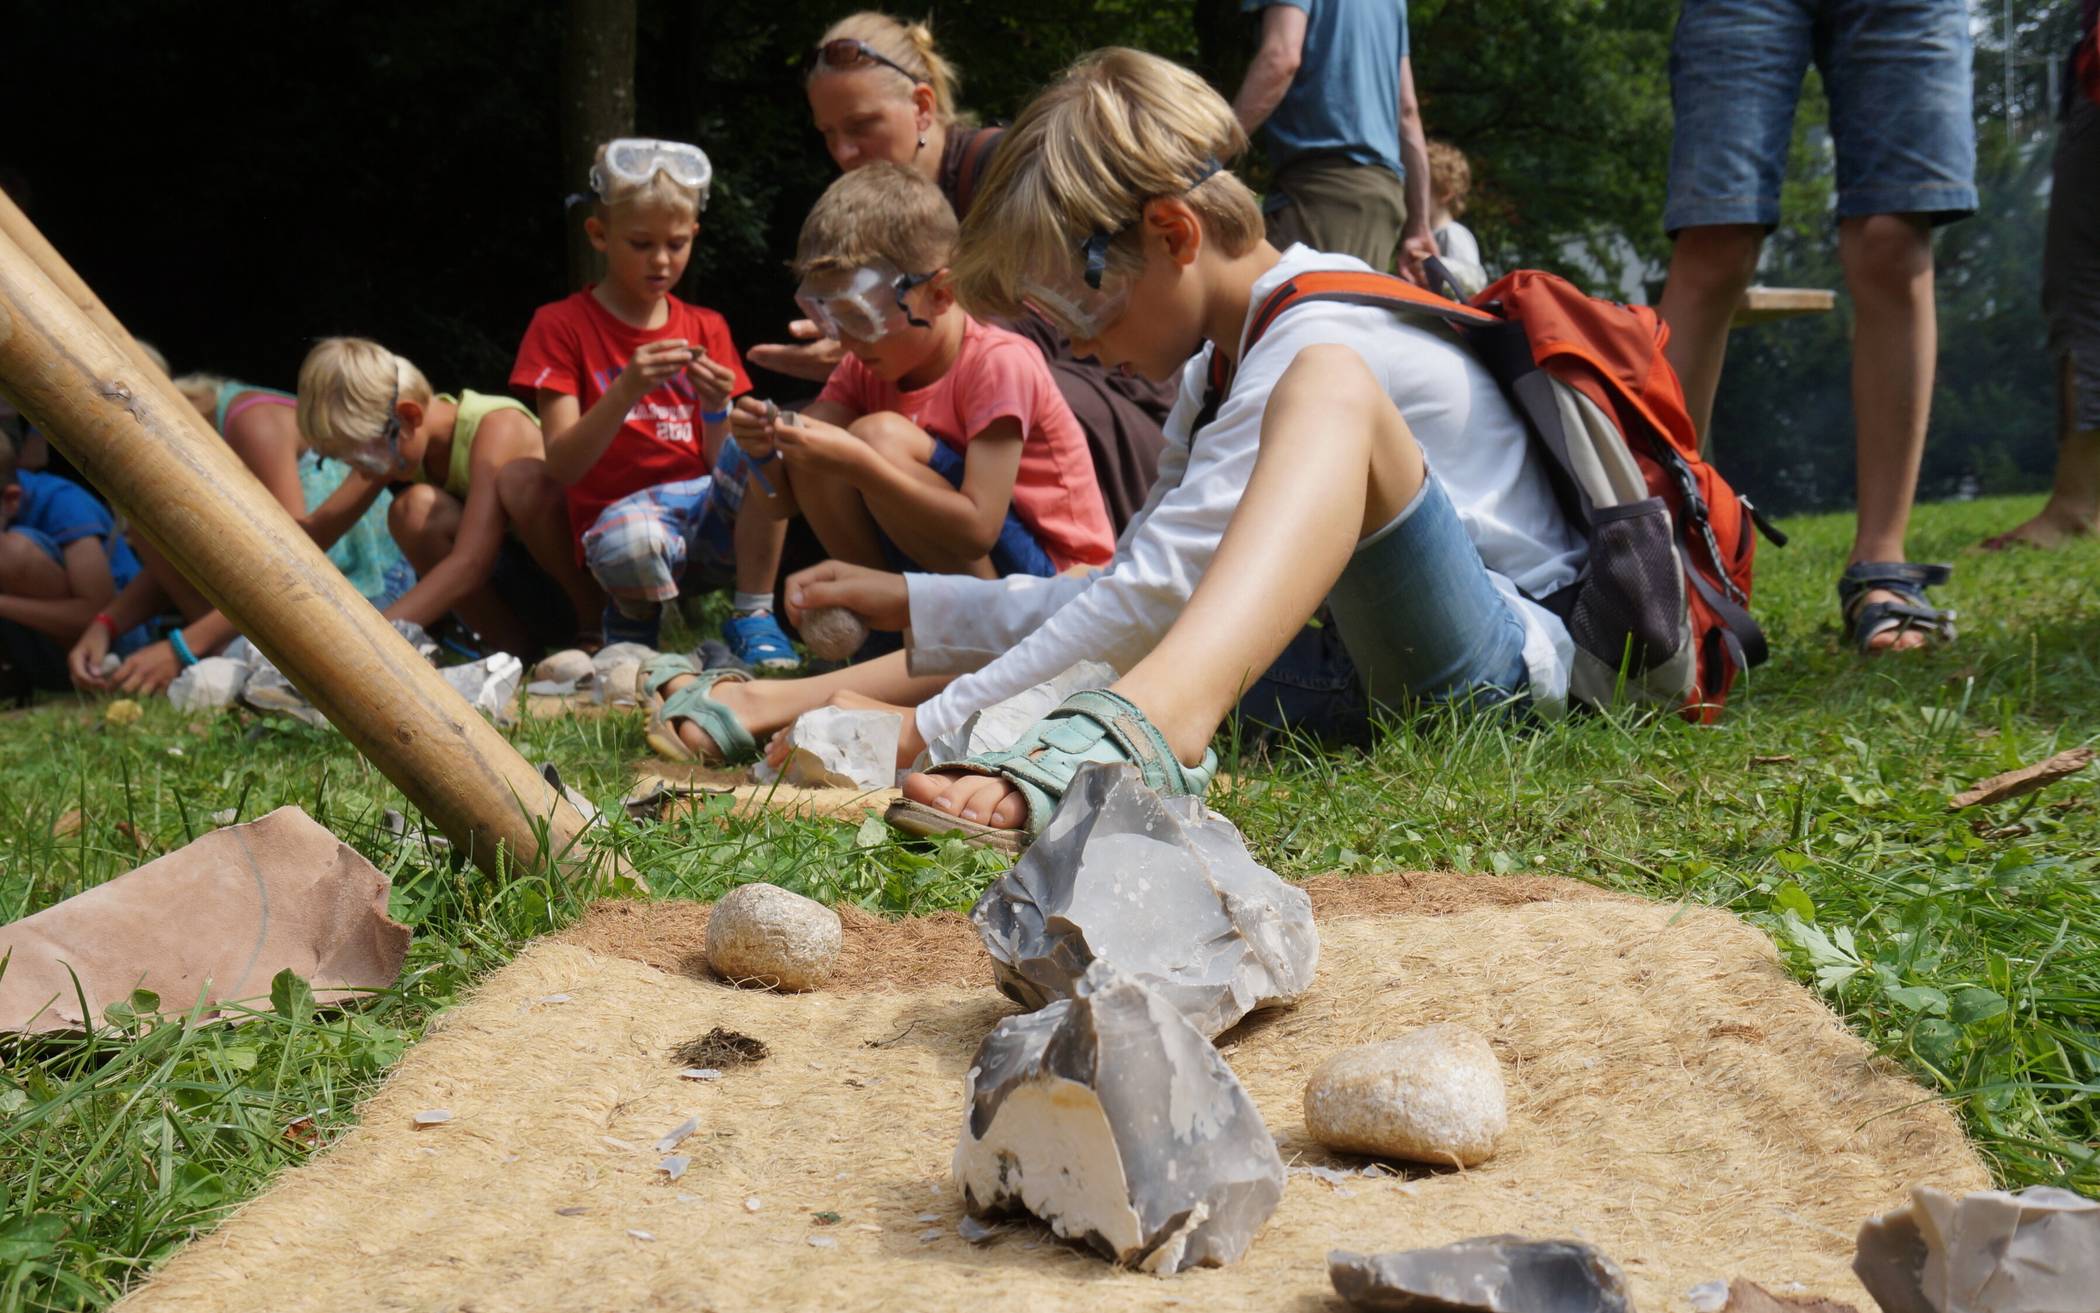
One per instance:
[(847, 52), (1085, 306), (633, 161), (381, 456), (866, 305)]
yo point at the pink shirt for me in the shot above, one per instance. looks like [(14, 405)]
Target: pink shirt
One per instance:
[(1001, 375)]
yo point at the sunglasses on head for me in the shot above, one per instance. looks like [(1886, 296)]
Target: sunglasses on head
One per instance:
[(850, 52)]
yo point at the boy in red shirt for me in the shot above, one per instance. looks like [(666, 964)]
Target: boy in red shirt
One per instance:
[(633, 388), (940, 444)]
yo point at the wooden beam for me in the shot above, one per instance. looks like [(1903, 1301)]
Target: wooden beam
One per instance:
[(1761, 305), (119, 419)]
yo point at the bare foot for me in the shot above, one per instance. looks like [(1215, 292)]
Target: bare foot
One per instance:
[(730, 693), (1893, 638), (2051, 527), (983, 799)]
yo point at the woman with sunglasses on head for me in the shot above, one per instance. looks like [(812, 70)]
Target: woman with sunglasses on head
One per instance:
[(879, 90)]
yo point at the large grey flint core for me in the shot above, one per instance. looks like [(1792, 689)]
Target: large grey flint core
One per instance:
[(2037, 1251), (1111, 1118), (1160, 887), (1489, 1274)]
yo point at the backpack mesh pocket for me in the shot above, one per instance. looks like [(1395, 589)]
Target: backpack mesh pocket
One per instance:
[(1630, 605)]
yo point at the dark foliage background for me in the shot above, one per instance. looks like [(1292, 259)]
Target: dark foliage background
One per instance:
[(237, 179)]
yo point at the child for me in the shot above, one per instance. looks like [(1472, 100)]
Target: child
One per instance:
[(1355, 457), (633, 389), (345, 516), (940, 443), (473, 508), (1450, 179), (61, 561)]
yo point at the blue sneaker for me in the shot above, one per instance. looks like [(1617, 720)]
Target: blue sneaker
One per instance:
[(622, 628), (759, 642)]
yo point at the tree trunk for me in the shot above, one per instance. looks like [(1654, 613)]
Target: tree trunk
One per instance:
[(69, 365), (597, 104)]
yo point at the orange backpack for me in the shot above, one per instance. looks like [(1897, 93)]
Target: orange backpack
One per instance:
[(1660, 611)]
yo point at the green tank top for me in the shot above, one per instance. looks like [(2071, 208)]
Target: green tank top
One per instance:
[(474, 407)]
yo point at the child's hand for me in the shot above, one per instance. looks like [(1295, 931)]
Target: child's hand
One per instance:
[(826, 448), (876, 596), (148, 670), (84, 662), (751, 424), (652, 365), (712, 380), (812, 356)]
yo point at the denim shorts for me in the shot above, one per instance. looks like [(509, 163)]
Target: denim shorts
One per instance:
[(1897, 75), (1016, 552), (1422, 619), (640, 547)]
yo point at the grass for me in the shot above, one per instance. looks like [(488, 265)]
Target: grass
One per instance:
[(1966, 947)]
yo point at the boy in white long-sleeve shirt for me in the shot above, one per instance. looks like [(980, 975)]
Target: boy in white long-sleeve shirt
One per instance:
[(1311, 481)]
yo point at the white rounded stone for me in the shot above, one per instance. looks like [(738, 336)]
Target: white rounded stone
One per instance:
[(565, 667), (833, 633), (1434, 1095), (760, 934)]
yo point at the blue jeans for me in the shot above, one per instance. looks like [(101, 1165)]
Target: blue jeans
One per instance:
[(1897, 74), (1016, 552), (1416, 620)]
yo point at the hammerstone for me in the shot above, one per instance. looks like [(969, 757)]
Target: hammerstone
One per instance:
[(1434, 1095), (833, 633), (763, 935)]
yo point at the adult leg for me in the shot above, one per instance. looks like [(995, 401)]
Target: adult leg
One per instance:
[(1336, 464), (425, 523), (1709, 269), (537, 509)]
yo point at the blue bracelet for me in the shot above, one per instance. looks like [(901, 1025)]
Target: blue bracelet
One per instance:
[(713, 416), (182, 648)]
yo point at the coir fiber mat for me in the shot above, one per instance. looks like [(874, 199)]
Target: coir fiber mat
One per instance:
[(1675, 1099)]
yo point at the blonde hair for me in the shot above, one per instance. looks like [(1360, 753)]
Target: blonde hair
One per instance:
[(659, 194), (201, 391), (881, 211), (347, 386), (1450, 177), (909, 45), (1115, 130)]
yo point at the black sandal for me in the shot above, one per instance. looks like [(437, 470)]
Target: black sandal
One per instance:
[(1865, 621)]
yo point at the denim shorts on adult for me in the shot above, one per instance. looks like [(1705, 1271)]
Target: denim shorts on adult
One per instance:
[(1897, 76)]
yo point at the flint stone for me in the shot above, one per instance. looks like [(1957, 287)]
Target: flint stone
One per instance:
[(416, 637), (843, 748), (2035, 1251), (1113, 1119), (489, 685), (212, 683), (563, 673), (1434, 1095), (268, 690), (767, 936), (618, 668), (1490, 1274), (833, 633), (1160, 887), (998, 727)]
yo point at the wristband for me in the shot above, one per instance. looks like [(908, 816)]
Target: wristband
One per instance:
[(713, 416), (102, 618), (182, 648)]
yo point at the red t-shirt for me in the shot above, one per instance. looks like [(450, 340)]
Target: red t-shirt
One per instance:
[(1001, 375), (576, 346)]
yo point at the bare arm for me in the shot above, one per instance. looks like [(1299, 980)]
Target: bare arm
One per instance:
[(1416, 243), (1275, 64), (474, 549), (576, 437), (342, 508)]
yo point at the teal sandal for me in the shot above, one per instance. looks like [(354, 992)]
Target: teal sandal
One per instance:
[(1090, 726), (733, 743)]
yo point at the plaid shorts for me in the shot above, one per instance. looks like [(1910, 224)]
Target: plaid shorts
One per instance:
[(639, 548)]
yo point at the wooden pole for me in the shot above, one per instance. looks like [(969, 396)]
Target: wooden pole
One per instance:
[(122, 423)]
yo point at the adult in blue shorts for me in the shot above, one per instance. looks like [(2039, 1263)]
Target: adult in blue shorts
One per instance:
[(1897, 75)]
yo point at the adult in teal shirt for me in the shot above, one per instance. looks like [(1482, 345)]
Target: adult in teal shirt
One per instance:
[(1333, 93)]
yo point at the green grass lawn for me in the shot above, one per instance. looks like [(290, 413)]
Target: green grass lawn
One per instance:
[(1965, 946)]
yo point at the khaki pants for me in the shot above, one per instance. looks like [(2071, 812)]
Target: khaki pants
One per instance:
[(1332, 203)]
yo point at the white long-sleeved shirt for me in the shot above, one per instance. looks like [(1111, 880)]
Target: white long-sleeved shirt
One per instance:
[(1006, 635)]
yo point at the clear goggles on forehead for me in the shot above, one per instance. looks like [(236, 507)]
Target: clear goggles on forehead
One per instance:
[(633, 161), (865, 305), (380, 456)]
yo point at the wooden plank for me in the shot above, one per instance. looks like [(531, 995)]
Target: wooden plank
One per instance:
[(1762, 305)]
